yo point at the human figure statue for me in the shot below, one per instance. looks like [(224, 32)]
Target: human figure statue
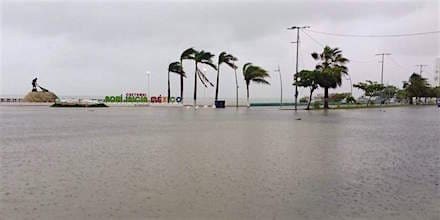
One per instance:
[(34, 85)]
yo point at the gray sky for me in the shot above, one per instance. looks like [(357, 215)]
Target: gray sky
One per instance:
[(106, 48)]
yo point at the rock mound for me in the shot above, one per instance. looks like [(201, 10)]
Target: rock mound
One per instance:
[(40, 97)]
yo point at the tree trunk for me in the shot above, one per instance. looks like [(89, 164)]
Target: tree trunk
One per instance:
[(368, 101), (195, 86), (326, 98), (310, 99), (181, 83), (236, 88), (216, 85), (169, 91), (181, 88), (247, 95)]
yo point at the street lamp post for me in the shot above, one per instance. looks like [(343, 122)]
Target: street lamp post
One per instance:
[(281, 86), (351, 84), (236, 87), (297, 51), (148, 83)]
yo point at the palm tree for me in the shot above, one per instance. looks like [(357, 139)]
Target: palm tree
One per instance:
[(331, 67), (174, 67), (202, 57), (255, 74), (187, 54), (228, 59)]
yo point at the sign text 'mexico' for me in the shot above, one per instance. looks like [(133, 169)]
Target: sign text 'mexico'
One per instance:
[(142, 98)]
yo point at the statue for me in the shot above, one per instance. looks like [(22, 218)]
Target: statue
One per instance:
[(34, 85), (39, 96)]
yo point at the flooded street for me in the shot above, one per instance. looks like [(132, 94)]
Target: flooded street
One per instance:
[(177, 163)]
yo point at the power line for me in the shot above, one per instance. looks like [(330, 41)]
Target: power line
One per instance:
[(362, 61), (377, 35), (321, 44), (313, 39), (399, 65), (408, 68)]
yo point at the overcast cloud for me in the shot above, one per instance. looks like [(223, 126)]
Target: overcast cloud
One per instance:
[(105, 48)]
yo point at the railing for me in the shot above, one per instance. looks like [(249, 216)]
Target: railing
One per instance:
[(11, 100)]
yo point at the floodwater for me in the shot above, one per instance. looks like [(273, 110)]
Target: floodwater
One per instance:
[(178, 163)]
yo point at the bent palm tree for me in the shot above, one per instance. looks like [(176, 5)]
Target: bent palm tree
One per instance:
[(228, 59), (202, 57), (174, 67), (331, 67), (187, 54), (255, 74)]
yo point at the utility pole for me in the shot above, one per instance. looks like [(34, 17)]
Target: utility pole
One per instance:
[(421, 68), (297, 50), (383, 58), (281, 86)]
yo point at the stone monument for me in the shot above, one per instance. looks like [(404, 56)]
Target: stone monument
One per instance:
[(39, 96)]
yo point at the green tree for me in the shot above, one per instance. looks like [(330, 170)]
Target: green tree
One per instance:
[(228, 59), (255, 74), (174, 67), (350, 99), (308, 78), (370, 89), (187, 54), (436, 91), (401, 95), (416, 86), (389, 92), (331, 67)]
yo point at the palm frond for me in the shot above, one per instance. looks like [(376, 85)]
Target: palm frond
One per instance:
[(176, 67), (227, 58), (188, 54), (261, 81), (254, 73), (245, 66), (209, 64), (203, 78), (205, 58)]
